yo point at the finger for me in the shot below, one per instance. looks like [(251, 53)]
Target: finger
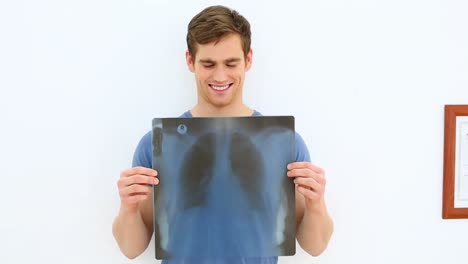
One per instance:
[(135, 198), (137, 179), (298, 165), (307, 173), (138, 170), (304, 165), (308, 193), (301, 173), (134, 189), (309, 183)]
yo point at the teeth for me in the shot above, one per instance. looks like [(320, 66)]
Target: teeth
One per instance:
[(220, 88)]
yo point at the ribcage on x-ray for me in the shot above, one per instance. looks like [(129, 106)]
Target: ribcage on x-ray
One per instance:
[(223, 188)]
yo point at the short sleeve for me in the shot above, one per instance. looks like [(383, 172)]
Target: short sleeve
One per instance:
[(302, 153), (143, 153)]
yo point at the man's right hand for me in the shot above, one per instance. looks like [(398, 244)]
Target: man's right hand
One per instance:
[(134, 186)]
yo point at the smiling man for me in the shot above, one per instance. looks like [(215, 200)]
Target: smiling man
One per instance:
[(219, 55)]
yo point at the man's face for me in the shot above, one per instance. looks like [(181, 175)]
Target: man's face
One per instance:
[(220, 70)]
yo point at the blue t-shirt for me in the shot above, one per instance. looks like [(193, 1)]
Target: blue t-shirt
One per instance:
[(143, 157)]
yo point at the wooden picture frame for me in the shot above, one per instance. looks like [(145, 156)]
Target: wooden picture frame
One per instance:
[(455, 169)]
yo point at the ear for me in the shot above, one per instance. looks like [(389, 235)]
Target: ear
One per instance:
[(248, 60), (190, 62)]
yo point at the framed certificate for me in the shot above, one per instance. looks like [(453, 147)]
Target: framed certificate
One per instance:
[(455, 193)]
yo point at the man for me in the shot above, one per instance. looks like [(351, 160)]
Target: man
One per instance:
[(219, 55)]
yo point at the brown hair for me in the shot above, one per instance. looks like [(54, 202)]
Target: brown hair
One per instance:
[(214, 23)]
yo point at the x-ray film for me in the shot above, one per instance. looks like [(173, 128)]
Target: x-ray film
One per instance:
[(223, 189)]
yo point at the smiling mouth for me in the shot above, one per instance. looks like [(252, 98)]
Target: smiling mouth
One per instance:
[(220, 88)]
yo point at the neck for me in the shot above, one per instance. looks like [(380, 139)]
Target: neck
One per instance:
[(201, 110)]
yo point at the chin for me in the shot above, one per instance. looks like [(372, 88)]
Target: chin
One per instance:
[(219, 104)]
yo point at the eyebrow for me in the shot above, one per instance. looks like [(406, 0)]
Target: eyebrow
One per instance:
[(231, 60)]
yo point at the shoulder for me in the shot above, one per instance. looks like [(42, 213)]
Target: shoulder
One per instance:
[(143, 152), (143, 155), (302, 152)]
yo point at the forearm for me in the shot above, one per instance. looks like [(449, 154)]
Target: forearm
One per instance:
[(130, 232), (315, 230)]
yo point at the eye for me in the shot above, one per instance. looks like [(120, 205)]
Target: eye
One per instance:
[(231, 65), (208, 65)]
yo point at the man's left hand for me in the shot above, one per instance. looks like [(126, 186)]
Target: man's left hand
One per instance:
[(310, 182)]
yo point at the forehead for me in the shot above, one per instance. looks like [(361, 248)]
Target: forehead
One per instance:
[(226, 48)]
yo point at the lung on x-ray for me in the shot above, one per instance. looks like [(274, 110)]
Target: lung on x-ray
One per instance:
[(223, 189)]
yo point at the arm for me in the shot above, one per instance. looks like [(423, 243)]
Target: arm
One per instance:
[(314, 225), (133, 227)]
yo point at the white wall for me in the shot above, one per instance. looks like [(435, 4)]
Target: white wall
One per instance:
[(366, 80)]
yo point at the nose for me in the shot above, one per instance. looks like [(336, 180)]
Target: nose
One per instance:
[(219, 75)]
